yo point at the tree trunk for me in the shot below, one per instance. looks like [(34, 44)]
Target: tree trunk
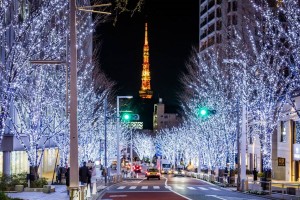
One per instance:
[(33, 173)]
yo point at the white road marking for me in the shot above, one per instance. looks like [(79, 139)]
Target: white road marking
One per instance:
[(216, 189), (202, 188), (132, 187), (144, 187), (179, 187), (168, 187), (215, 197), (156, 187), (121, 187), (191, 188)]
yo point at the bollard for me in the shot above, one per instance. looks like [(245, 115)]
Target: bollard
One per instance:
[(88, 193), (94, 188)]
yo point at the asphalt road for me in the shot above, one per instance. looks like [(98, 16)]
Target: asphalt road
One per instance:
[(171, 188)]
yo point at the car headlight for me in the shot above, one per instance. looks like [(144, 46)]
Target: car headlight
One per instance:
[(175, 172), (182, 172), (162, 171)]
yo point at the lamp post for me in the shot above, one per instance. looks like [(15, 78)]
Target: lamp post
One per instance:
[(131, 145), (74, 175), (241, 139), (118, 134), (105, 139)]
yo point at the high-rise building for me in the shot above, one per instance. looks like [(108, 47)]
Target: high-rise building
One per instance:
[(145, 91), (216, 19)]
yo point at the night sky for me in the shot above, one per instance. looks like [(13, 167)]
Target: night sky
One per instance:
[(172, 32)]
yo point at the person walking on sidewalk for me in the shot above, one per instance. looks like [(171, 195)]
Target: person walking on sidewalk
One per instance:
[(83, 174), (58, 174), (67, 175), (254, 175)]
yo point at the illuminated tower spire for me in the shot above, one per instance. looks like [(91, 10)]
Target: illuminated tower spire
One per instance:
[(145, 91)]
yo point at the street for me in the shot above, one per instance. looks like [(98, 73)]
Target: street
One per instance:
[(170, 187)]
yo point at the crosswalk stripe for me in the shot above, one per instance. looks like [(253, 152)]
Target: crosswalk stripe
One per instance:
[(179, 187), (214, 188), (156, 187), (202, 188), (144, 187), (121, 187), (132, 187), (191, 188), (168, 187)]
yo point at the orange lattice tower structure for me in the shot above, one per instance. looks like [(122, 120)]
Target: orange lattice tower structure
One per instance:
[(145, 91)]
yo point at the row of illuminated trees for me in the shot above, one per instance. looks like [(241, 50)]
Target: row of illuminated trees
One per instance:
[(34, 97), (257, 67)]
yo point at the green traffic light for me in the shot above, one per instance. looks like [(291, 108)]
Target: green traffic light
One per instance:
[(126, 116), (202, 112)]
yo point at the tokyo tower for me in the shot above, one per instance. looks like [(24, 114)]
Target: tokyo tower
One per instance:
[(145, 91)]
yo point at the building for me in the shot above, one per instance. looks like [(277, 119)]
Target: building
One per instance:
[(145, 91), (162, 119)]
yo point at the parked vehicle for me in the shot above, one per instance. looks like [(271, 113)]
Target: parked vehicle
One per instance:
[(153, 173)]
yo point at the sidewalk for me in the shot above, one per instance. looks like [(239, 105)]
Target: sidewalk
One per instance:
[(60, 193), (60, 190)]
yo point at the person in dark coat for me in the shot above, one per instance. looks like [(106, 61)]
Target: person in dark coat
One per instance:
[(83, 174), (67, 175), (254, 174)]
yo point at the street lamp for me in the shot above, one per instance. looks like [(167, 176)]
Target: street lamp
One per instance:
[(118, 134), (241, 140), (74, 175)]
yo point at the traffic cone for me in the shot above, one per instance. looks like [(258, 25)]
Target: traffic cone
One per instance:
[(94, 188), (88, 194)]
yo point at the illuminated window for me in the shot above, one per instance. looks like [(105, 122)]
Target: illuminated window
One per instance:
[(282, 132)]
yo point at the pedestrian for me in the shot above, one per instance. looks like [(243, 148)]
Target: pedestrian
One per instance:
[(226, 173), (255, 174), (67, 175), (83, 174), (58, 175)]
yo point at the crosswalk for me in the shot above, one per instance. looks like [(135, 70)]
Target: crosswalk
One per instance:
[(156, 187)]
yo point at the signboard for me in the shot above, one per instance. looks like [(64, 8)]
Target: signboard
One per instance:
[(296, 151), (281, 161)]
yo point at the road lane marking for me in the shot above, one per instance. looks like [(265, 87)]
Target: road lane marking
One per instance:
[(179, 187), (144, 187), (121, 187), (168, 187), (132, 187), (156, 187), (216, 189), (191, 188), (215, 197), (202, 188)]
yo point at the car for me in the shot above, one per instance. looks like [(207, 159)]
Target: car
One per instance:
[(137, 168), (179, 172), (152, 173)]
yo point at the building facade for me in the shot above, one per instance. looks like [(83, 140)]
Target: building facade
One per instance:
[(161, 119)]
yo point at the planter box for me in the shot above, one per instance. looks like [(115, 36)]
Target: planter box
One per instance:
[(48, 189), (33, 189), (19, 188)]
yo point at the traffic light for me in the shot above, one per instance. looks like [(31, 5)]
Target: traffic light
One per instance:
[(205, 112), (130, 117)]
